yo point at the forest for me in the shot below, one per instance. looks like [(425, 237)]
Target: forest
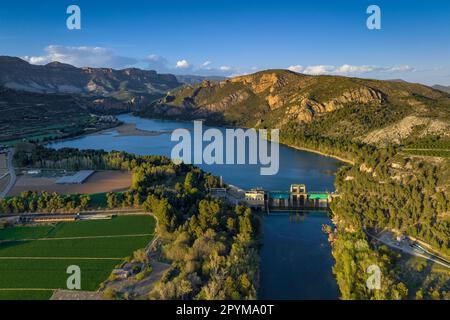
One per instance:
[(385, 189)]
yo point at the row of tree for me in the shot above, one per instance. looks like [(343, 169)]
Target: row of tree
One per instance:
[(31, 201)]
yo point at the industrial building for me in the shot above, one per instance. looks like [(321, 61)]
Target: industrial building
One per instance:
[(77, 178)]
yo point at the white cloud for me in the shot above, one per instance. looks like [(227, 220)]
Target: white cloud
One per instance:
[(206, 64), (182, 64), (347, 69), (83, 56), (403, 68), (37, 60), (318, 70), (90, 56), (156, 62), (296, 68)]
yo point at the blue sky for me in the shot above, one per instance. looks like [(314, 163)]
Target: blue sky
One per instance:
[(237, 37)]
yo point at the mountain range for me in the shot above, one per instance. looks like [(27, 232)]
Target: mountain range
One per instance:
[(108, 88), (372, 111)]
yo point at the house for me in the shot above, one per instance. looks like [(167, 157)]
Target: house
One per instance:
[(121, 273)]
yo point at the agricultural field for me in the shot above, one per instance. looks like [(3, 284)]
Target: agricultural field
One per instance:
[(42, 117), (439, 148), (34, 260), (99, 182)]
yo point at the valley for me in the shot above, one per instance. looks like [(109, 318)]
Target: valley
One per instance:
[(393, 137)]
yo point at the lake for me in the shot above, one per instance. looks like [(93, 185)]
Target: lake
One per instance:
[(296, 257)]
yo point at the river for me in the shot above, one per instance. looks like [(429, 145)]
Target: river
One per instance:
[(296, 257)]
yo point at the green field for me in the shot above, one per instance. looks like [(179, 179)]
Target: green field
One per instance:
[(37, 257), (429, 153), (439, 148)]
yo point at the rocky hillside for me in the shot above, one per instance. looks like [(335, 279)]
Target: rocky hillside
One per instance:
[(322, 105), (193, 79), (108, 88)]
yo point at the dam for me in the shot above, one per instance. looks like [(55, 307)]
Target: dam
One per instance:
[(296, 198)]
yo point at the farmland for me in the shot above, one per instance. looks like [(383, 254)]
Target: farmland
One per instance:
[(34, 259), (99, 182), (42, 117), (427, 148)]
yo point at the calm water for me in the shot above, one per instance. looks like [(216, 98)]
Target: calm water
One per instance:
[(295, 257)]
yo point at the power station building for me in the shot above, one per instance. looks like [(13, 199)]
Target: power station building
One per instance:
[(296, 198)]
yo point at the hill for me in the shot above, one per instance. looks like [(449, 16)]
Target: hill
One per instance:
[(40, 116), (332, 106), (108, 88), (442, 88)]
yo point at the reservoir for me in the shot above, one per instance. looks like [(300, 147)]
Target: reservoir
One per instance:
[(296, 259)]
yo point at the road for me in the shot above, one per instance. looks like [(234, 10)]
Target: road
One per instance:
[(82, 215), (412, 249), (12, 174)]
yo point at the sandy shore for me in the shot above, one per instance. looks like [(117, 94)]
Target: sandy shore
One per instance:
[(324, 154), (130, 129)]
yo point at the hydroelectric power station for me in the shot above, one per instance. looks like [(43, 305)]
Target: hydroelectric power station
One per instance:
[(296, 198)]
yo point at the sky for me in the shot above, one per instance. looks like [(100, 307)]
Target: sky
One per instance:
[(228, 38)]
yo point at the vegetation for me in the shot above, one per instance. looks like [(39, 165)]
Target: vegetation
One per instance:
[(431, 147), (42, 117), (212, 246), (214, 255), (30, 201)]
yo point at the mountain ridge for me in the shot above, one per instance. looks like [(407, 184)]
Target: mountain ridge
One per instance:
[(442, 88), (106, 86), (282, 98)]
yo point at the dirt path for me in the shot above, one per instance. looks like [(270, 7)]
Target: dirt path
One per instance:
[(26, 289)]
